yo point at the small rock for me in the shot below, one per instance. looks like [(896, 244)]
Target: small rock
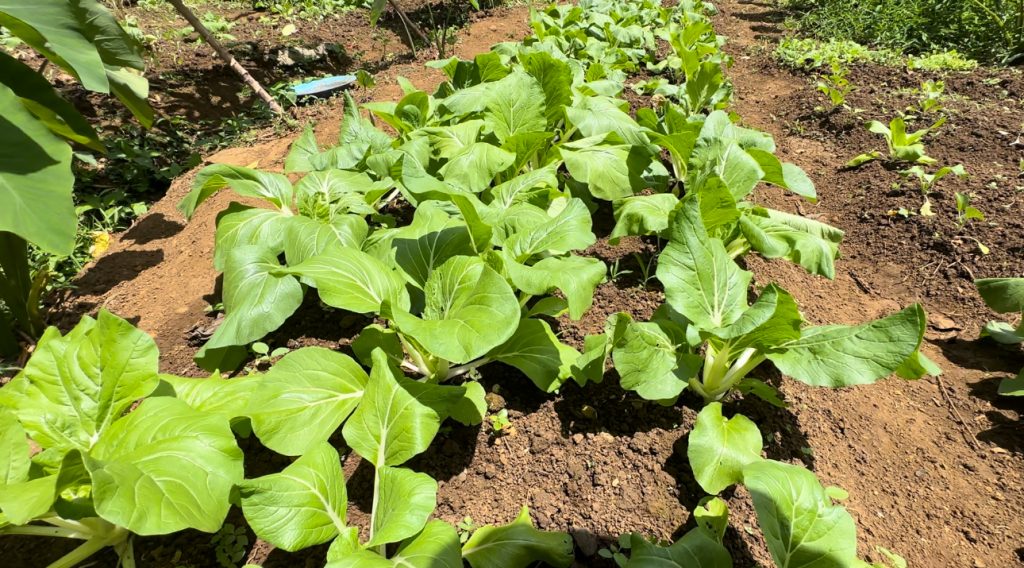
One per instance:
[(495, 401), (585, 541), (577, 438)]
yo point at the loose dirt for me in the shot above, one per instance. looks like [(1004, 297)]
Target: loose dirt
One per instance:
[(933, 467)]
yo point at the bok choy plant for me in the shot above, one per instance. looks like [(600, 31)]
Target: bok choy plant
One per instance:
[(77, 464), (1005, 296)]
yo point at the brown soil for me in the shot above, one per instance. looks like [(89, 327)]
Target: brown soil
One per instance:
[(933, 467)]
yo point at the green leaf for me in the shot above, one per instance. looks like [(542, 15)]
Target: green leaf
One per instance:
[(555, 78), (577, 277), (178, 463), (14, 449), (469, 310), (1003, 295), (271, 187), (523, 188), (74, 387), (352, 280), (515, 104), (305, 238), (304, 398), (227, 398), (474, 168), (26, 500), (431, 239), (536, 351), (697, 549), (611, 170), (240, 225), (302, 506), (569, 230), (777, 240), (642, 215), (597, 116), (1012, 387), (773, 319), (720, 448), (712, 515), (404, 501), (390, 425), (786, 176), (801, 526), (258, 297), (701, 281), (652, 362), (840, 356), (436, 546), (517, 545), (35, 180), (472, 407)]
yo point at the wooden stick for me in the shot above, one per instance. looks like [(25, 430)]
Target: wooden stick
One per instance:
[(226, 55), (408, 21)]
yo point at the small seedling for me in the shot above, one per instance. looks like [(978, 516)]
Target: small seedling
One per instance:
[(836, 86), (500, 424), (615, 272), (903, 146), (647, 267), (365, 79), (264, 355), (966, 212), (466, 527), (931, 97), (229, 544)]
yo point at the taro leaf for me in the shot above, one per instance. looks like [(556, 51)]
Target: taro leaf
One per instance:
[(801, 526), (215, 394), (240, 225), (14, 449), (517, 545), (720, 448), (577, 277), (390, 425), (302, 506), (1012, 387), (1003, 295), (75, 386), (696, 549), (651, 362), (469, 310), (515, 104), (35, 180), (569, 230), (474, 168), (436, 546), (779, 240), (304, 398), (840, 355), (258, 297), (642, 215), (612, 170), (536, 351), (271, 187), (352, 280), (555, 79), (179, 464), (42, 100), (404, 501), (701, 281)]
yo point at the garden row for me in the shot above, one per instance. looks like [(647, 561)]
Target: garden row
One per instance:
[(458, 228)]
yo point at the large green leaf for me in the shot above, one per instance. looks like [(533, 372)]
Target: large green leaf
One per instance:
[(651, 361), (774, 239), (23, 501), (436, 546), (515, 104), (469, 310), (720, 448), (701, 281), (523, 188), (801, 526), (215, 394), (840, 355), (74, 387), (271, 187), (14, 449), (569, 230), (536, 351), (390, 425), (351, 279), (431, 239), (697, 549), (517, 545), (240, 225), (305, 238), (35, 179), (302, 506), (403, 502), (642, 215), (577, 277), (258, 297), (165, 468), (474, 168), (304, 398), (1003, 295), (597, 116), (555, 78), (611, 169)]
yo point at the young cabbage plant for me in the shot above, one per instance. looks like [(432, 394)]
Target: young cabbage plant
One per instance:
[(78, 464), (799, 518), (708, 338), (903, 146), (1005, 296)]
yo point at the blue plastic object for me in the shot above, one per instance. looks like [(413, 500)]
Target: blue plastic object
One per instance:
[(324, 86)]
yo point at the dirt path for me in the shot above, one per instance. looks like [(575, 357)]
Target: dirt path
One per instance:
[(933, 466)]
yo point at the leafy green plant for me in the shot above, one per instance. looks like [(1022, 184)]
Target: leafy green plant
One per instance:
[(95, 471), (709, 339), (931, 97), (835, 85), (927, 181), (500, 424), (229, 545), (1005, 296), (903, 146), (965, 212), (36, 181)]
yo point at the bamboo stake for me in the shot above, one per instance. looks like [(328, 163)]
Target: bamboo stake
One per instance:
[(226, 55), (408, 21)]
